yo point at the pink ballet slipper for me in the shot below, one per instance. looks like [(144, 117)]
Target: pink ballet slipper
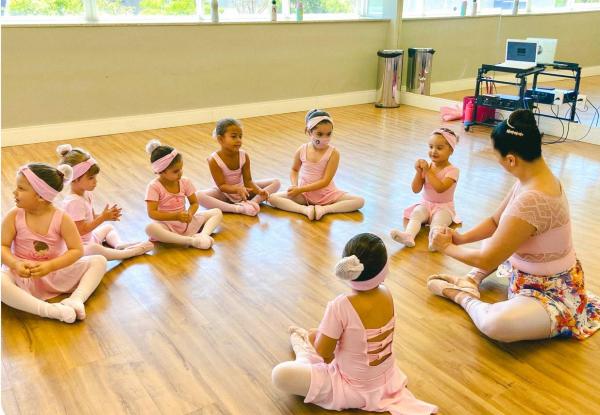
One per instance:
[(403, 238), (202, 241)]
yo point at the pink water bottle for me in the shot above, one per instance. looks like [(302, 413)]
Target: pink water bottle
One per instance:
[(469, 111)]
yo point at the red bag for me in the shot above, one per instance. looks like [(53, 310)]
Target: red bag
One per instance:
[(483, 113)]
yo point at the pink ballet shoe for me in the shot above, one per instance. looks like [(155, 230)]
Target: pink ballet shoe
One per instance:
[(403, 238), (437, 287), (248, 208), (310, 212), (142, 247), (464, 284)]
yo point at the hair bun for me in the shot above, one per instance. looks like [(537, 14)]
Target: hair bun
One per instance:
[(152, 145), (63, 149), (349, 268), (67, 172)]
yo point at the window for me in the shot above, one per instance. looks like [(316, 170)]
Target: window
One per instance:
[(426, 8), (184, 10)]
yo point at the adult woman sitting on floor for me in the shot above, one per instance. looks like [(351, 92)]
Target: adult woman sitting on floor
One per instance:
[(529, 240)]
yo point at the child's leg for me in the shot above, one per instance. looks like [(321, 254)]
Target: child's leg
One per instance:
[(520, 318), (297, 205), (294, 377), (15, 297), (439, 220), (347, 203), (211, 219), (418, 216), (88, 283), (161, 233), (108, 233), (214, 198), (269, 185), (112, 254)]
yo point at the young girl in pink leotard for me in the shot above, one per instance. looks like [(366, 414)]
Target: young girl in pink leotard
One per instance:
[(165, 201), (79, 205), (41, 249), (438, 181), (349, 361), (235, 190), (313, 192)]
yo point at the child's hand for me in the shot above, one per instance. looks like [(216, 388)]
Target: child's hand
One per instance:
[(24, 269), (263, 193), (184, 217), (418, 166), (293, 191), (40, 269), (242, 191), (111, 213), (423, 165)]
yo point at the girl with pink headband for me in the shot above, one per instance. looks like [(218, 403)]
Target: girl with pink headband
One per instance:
[(438, 181), (349, 362), (41, 249), (235, 191), (165, 200), (313, 192), (79, 204)]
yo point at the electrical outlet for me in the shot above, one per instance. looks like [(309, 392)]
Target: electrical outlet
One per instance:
[(581, 101), (559, 97)]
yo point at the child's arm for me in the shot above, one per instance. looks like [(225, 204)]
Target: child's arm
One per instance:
[(295, 168), (247, 175), (154, 213), (193, 199), (8, 235), (330, 170), (418, 180), (438, 185), (108, 214), (219, 178), (69, 233), (324, 345)]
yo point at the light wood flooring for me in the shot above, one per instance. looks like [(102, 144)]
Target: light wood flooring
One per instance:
[(183, 331)]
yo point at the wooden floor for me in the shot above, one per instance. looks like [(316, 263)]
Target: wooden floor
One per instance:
[(589, 86), (182, 331)]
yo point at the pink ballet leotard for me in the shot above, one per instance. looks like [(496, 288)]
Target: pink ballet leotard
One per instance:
[(231, 176), (31, 246), (80, 208), (349, 381), (435, 201), (175, 202), (310, 172)]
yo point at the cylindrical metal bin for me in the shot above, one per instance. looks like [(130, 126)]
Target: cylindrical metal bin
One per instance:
[(418, 77), (389, 78)]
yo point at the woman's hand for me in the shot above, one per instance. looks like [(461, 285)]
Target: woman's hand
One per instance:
[(293, 191), (441, 239)]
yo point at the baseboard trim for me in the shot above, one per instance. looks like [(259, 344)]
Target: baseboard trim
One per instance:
[(105, 126)]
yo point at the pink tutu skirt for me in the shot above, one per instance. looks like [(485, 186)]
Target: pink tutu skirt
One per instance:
[(65, 280), (434, 207)]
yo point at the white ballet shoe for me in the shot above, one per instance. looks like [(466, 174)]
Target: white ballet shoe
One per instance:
[(202, 241), (76, 305)]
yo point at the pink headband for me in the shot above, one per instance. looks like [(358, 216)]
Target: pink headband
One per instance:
[(162, 163), (372, 283), (450, 138), (310, 124), (42, 188), (81, 168)]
